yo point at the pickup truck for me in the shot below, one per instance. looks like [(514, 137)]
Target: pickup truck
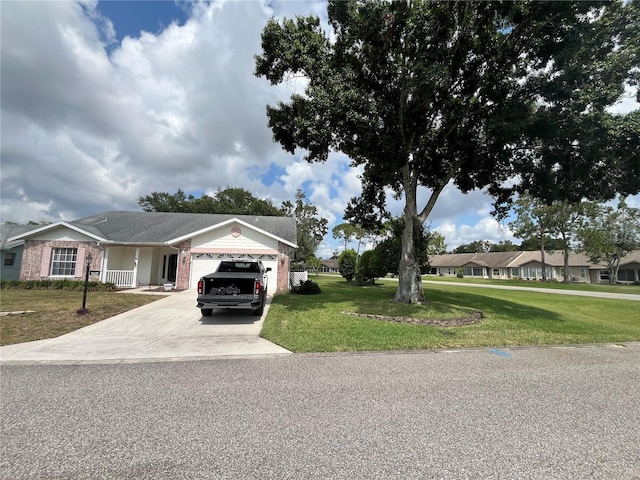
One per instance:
[(237, 283)]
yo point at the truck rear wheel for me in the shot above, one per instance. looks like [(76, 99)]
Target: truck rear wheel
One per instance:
[(260, 310), (206, 312)]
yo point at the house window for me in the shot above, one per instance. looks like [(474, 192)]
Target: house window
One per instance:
[(9, 259), (604, 274), (496, 272), (64, 262), (583, 273), (626, 275), (515, 272)]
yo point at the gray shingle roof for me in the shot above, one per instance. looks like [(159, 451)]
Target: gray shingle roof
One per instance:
[(162, 227), (8, 231)]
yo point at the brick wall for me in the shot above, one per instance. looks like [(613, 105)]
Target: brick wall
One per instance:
[(283, 268), (184, 265), (32, 260)]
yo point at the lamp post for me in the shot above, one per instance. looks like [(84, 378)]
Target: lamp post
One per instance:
[(88, 260)]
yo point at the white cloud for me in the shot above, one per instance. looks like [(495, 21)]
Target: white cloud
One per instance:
[(486, 228)]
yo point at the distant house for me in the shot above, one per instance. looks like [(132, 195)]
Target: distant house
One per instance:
[(151, 248), (528, 266), (11, 251), (329, 266)]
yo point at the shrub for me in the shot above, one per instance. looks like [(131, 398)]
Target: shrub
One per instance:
[(460, 273), (48, 284), (347, 264), (370, 267), (308, 287)]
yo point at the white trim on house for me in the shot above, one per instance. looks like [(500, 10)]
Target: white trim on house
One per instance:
[(56, 225), (225, 223)]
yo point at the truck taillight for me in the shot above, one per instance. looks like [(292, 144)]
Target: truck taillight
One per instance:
[(200, 287), (258, 287)]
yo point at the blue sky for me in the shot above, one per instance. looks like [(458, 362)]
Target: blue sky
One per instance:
[(104, 102)]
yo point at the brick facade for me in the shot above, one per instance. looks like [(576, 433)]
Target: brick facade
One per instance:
[(184, 265), (283, 267)]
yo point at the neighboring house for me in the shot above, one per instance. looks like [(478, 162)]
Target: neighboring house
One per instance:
[(528, 266), (329, 266), (152, 248), (11, 251)]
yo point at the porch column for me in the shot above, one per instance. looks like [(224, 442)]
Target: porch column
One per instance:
[(135, 268), (105, 265)]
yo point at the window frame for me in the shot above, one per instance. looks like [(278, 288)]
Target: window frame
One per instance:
[(60, 261)]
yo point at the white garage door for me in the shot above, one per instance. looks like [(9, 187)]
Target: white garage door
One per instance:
[(204, 263)]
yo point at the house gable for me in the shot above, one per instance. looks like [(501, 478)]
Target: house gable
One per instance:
[(234, 237), (225, 231)]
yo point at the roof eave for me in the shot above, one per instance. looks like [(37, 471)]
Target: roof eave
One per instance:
[(51, 227)]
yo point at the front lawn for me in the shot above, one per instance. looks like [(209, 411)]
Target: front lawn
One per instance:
[(315, 323), (56, 312)]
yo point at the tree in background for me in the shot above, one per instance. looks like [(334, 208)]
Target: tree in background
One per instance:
[(532, 220), (311, 227), (436, 244), (344, 232), (474, 93), (314, 264), (533, 243), (550, 227), (477, 246), (233, 201), (347, 261), (564, 220), (504, 246), (610, 234), (370, 266)]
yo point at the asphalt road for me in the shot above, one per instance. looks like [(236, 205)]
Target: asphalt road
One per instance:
[(534, 413)]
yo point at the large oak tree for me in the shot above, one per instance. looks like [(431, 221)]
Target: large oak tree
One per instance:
[(504, 96)]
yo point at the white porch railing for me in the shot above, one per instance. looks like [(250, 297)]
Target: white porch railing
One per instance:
[(121, 278)]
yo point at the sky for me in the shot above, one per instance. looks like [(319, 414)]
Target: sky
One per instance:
[(104, 102)]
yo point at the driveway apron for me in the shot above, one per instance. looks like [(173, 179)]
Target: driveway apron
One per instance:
[(171, 328)]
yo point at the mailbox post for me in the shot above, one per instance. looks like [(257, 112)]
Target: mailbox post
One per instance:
[(88, 260)]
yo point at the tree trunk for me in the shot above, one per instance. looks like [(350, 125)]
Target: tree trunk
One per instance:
[(409, 275)]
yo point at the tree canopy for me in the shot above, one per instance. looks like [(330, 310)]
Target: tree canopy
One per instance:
[(231, 200), (311, 227), (609, 234), (502, 96)]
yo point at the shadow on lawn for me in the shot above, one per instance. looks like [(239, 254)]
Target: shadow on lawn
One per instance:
[(493, 307), (442, 298)]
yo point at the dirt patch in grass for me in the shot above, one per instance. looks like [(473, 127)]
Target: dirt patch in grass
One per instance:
[(476, 317), (55, 312)]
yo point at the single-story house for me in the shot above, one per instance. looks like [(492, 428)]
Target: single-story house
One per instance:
[(132, 249), (528, 266), (329, 265), (11, 252)]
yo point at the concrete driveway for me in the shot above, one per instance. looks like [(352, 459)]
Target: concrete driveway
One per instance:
[(170, 329)]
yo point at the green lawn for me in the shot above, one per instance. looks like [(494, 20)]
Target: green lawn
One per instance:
[(315, 323), (585, 287)]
